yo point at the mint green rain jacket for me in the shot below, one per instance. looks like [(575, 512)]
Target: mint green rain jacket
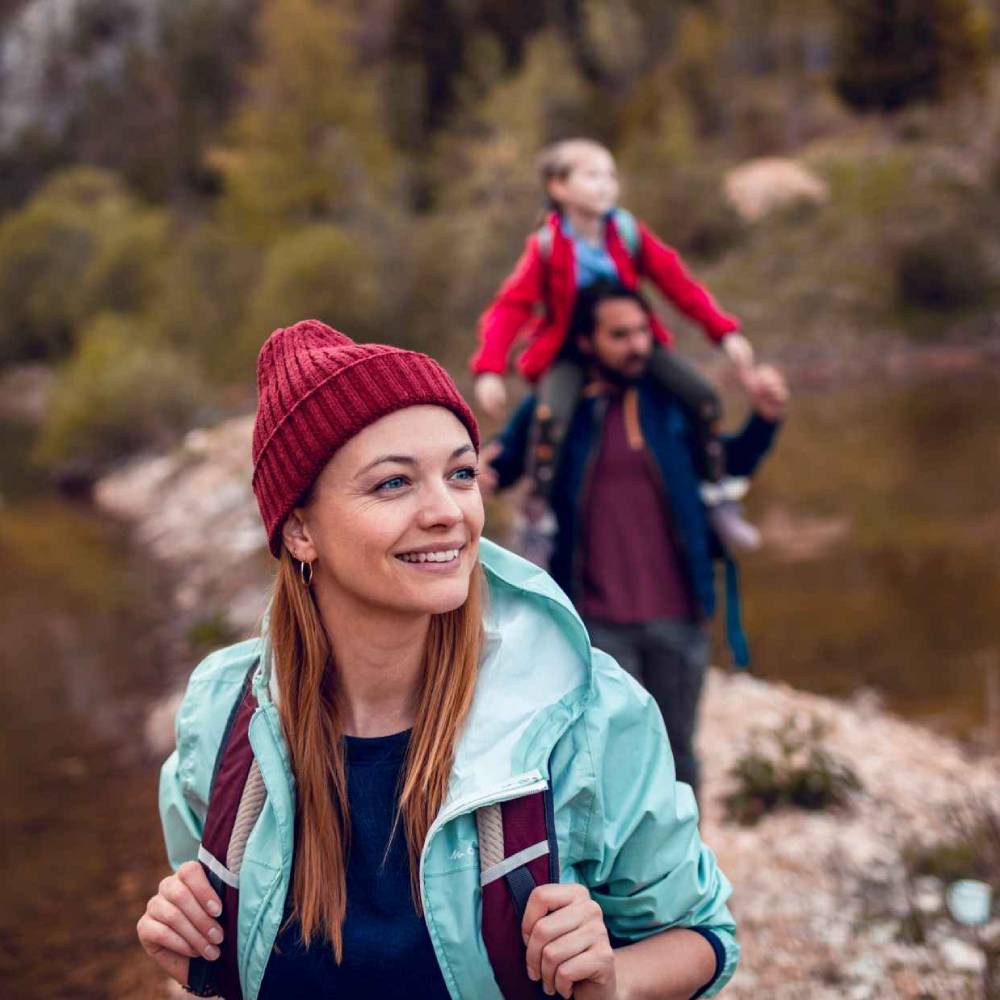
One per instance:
[(548, 710)]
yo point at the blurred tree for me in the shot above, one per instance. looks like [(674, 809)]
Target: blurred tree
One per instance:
[(308, 143), (165, 74), (891, 53), (80, 245), (121, 391), (202, 300), (321, 271)]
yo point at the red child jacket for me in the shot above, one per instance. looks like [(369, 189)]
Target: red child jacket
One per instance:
[(549, 281)]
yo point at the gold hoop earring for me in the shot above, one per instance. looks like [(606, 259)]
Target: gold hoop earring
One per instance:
[(306, 572)]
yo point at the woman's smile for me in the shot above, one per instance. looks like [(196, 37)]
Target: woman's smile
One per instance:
[(437, 559)]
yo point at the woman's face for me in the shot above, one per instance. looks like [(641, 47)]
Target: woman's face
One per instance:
[(591, 186), (394, 519)]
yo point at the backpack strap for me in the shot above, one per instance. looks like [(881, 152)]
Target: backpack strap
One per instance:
[(517, 851), (628, 229), (543, 237), (235, 801)]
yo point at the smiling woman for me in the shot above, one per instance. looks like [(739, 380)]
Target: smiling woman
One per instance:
[(419, 697)]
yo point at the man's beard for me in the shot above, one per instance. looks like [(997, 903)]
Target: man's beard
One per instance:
[(618, 377)]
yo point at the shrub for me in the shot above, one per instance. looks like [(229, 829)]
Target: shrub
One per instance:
[(970, 847), (81, 245), (202, 300), (119, 393), (322, 272), (788, 767), (943, 268), (890, 53)]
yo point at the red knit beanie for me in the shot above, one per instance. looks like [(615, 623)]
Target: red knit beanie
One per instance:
[(316, 389)]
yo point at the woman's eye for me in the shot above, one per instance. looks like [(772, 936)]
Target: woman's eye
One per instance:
[(388, 485), (468, 474)]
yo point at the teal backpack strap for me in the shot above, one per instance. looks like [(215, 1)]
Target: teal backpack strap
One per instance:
[(628, 229), (735, 635)]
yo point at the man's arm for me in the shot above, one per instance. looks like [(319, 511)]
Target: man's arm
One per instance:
[(505, 456), (769, 397)]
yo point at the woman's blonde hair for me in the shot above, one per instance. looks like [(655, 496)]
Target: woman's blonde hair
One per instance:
[(558, 160), (308, 705)]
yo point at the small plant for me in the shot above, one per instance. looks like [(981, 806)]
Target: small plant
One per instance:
[(969, 849), (788, 767)]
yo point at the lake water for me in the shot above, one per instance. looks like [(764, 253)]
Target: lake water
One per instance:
[(881, 570), (881, 504)]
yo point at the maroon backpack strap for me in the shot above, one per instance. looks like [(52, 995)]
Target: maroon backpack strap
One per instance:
[(517, 851), (234, 803)]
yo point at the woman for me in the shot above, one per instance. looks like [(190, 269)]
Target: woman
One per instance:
[(412, 675)]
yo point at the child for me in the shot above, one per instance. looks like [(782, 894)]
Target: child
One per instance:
[(585, 239)]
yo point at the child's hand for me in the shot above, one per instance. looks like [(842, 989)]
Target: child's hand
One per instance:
[(491, 394), (739, 350)]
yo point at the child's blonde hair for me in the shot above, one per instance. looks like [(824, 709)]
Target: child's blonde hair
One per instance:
[(557, 160)]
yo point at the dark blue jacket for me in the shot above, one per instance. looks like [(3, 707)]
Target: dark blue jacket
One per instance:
[(668, 435)]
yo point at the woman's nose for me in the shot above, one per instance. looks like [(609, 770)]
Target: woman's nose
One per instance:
[(439, 508)]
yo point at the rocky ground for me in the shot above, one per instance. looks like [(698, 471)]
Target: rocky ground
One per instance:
[(823, 900)]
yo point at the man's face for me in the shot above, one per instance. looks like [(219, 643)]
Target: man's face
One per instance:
[(622, 338)]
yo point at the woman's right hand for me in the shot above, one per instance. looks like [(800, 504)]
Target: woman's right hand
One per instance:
[(179, 923), (491, 394)]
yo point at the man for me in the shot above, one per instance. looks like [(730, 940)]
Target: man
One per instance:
[(633, 547)]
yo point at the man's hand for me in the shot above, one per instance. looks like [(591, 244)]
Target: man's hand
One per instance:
[(488, 478), (491, 394), (768, 392)]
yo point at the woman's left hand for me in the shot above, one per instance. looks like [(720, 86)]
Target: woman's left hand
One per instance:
[(567, 942)]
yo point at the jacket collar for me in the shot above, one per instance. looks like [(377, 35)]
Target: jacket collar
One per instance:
[(535, 675)]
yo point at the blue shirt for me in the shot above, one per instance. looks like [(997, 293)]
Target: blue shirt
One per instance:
[(593, 263), (387, 950)]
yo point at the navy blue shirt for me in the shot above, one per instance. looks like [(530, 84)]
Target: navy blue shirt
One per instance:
[(387, 950)]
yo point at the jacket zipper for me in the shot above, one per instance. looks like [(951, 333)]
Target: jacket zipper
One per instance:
[(525, 784)]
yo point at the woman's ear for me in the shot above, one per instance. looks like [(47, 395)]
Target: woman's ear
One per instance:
[(295, 534)]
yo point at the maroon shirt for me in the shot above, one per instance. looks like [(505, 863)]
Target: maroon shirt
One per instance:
[(631, 566)]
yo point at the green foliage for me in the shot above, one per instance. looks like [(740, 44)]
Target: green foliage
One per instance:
[(81, 245), (125, 273), (944, 268), (788, 767), (307, 143), (202, 302), (322, 272), (120, 392), (969, 849), (891, 53)]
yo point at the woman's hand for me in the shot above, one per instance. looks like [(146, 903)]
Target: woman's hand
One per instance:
[(178, 924), (491, 394), (567, 943)]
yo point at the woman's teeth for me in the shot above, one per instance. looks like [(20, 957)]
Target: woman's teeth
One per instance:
[(448, 555)]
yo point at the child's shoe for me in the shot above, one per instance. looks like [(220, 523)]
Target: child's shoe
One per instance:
[(535, 531), (725, 514)]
